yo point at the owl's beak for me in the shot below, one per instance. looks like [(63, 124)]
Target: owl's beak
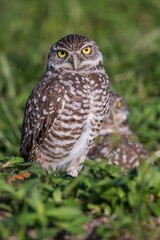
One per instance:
[(75, 61)]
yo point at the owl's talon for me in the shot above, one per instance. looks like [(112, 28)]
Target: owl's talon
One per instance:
[(72, 172)]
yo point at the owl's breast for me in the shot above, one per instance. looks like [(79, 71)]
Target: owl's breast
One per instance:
[(78, 123)]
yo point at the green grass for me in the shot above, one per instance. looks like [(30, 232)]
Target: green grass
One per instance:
[(48, 207), (51, 207)]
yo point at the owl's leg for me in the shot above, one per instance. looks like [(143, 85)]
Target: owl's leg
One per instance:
[(72, 171), (74, 168)]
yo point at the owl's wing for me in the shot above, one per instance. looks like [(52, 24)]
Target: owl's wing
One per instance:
[(42, 108)]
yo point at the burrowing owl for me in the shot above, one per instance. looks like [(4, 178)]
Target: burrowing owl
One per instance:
[(116, 141), (65, 110)]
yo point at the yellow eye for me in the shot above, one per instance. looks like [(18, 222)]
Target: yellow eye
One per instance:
[(61, 54), (119, 104), (86, 50)]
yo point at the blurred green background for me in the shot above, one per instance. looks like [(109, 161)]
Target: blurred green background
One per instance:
[(128, 34)]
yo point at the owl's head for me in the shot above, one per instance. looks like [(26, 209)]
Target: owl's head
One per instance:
[(117, 119), (118, 108), (74, 52)]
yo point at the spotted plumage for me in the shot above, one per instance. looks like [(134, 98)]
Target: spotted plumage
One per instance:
[(65, 110), (116, 141)]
